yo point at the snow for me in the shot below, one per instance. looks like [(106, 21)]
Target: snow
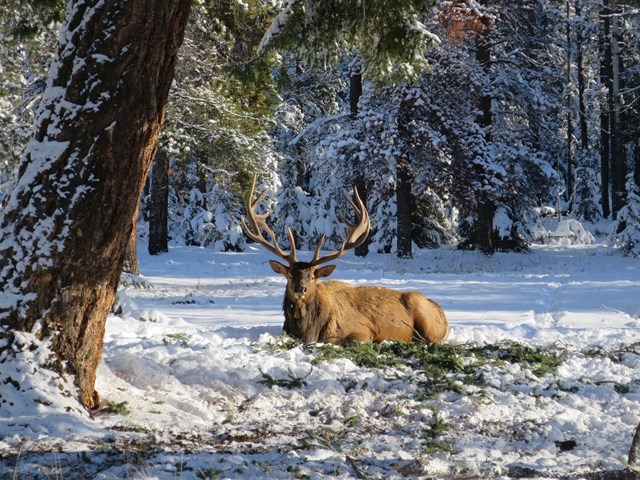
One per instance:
[(195, 340), (276, 26)]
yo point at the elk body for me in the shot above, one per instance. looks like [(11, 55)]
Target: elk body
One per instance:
[(332, 311)]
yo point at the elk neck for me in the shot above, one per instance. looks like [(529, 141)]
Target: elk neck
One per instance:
[(298, 308)]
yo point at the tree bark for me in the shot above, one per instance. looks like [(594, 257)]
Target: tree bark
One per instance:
[(636, 170), (485, 230), (159, 205), (605, 147), (569, 180), (404, 209), (485, 206), (618, 160), (130, 264), (632, 459), (355, 92), (68, 219), (582, 113)]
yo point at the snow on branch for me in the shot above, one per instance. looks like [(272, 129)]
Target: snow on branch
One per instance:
[(277, 24), (314, 125)]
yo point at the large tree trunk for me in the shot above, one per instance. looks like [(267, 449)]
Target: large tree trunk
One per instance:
[(636, 171), (159, 205), (68, 219)]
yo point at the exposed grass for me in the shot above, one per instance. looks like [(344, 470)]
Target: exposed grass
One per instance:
[(282, 343), (619, 355), (445, 367), (539, 360), (440, 368), (363, 354), (291, 382), (118, 408), (180, 338)]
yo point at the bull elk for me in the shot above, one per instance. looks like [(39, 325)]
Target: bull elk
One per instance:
[(333, 311)]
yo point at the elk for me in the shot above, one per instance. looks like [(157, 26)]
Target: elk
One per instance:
[(333, 311)]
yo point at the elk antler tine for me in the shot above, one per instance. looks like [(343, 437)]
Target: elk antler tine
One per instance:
[(261, 197), (316, 254), (345, 221), (353, 205), (256, 223), (292, 242), (356, 232)]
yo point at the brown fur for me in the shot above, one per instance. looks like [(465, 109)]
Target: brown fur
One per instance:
[(334, 311)]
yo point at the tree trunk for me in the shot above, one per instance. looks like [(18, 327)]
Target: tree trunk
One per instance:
[(582, 113), (362, 250), (69, 217), (159, 205), (569, 180), (355, 92), (605, 146), (130, 264), (404, 209), (636, 170), (485, 206), (485, 230), (618, 160)]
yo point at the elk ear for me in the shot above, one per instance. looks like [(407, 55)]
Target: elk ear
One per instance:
[(324, 271), (279, 268)]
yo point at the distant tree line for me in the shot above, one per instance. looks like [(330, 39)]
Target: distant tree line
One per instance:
[(457, 136)]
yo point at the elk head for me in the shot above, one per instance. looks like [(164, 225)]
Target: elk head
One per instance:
[(302, 276)]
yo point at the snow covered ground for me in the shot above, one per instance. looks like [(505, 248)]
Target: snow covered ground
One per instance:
[(213, 391)]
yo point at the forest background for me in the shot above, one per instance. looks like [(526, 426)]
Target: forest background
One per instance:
[(515, 110), (460, 122)]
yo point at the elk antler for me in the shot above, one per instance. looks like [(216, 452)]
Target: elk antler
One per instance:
[(356, 234), (257, 222)]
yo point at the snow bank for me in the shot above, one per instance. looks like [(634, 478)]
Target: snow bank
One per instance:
[(212, 391)]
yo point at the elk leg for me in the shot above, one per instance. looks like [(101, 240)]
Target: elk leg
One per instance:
[(360, 336)]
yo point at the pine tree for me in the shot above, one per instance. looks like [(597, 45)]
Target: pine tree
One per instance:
[(628, 222)]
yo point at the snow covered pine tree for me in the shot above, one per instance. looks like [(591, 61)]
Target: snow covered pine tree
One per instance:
[(67, 220)]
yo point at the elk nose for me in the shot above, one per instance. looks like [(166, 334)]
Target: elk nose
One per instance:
[(301, 289)]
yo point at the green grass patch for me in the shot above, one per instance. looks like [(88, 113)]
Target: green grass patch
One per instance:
[(180, 338), (363, 354), (537, 359), (118, 408), (437, 446), (291, 382), (446, 367), (281, 343), (618, 355)]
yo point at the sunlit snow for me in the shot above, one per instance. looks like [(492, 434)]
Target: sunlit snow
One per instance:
[(192, 341)]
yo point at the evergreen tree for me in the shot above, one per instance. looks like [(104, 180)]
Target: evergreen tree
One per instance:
[(28, 32), (628, 222), (389, 34), (218, 114)]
